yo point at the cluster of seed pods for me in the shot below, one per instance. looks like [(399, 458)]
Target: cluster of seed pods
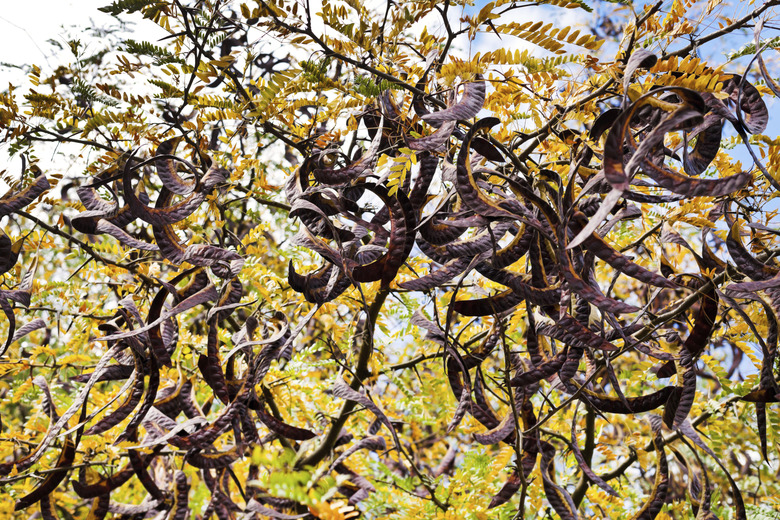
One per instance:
[(491, 217)]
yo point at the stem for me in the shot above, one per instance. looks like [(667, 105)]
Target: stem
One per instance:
[(685, 51), (269, 400), (668, 439), (518, 446), (308, 31), (87, 248), (361, 372), (587, 454)]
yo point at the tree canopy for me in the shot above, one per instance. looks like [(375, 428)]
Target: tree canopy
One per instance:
[(395, 260)]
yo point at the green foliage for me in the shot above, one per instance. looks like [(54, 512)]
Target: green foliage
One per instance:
[(366, 87), (129, 6), (160, 55), (85, 94), (750, 48)]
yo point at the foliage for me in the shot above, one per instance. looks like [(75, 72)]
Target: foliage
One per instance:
[(331, 264)]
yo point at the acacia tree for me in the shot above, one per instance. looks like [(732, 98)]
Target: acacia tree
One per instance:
[(330, 262)]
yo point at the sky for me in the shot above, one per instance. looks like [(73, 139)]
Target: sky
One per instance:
[(28, 26), (23, 38), (28, 32)]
